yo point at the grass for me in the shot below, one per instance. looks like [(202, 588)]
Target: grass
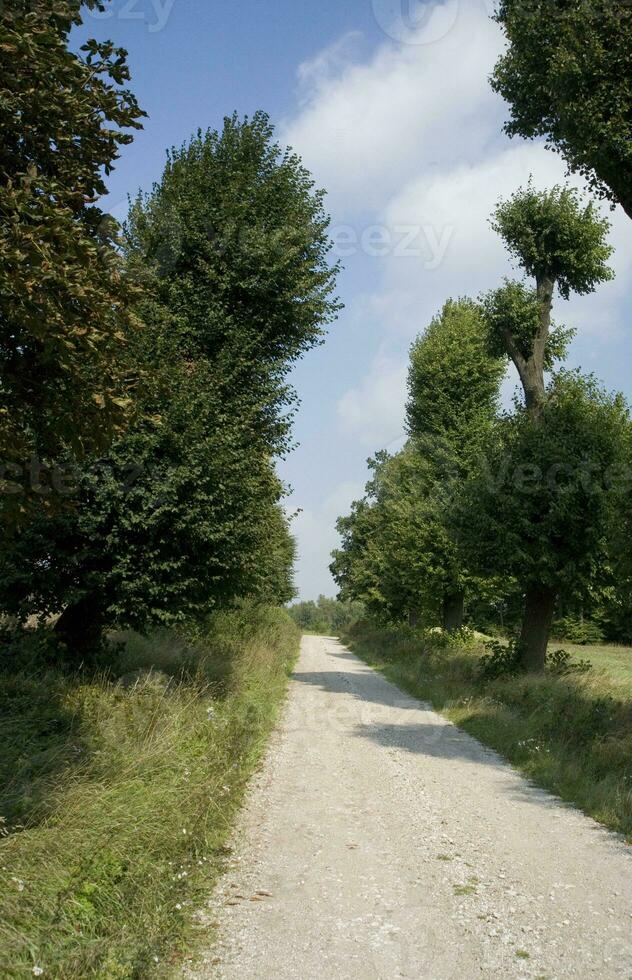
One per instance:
[(119, 789), (571, 734)]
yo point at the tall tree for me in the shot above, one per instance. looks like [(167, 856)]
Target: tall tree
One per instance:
[(453, 385), (541, 507), (567, 75), (184, 512), (398, 555), (64, 294), (560, 243)]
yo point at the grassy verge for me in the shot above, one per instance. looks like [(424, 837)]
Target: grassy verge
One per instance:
[(570, 734), (118, 792)]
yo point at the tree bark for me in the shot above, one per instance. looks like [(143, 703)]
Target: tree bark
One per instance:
[(537, 619), (81, 625), (413, 618), (453, 611)]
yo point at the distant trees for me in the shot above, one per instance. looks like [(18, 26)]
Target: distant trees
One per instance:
[(65, 296), (566, 75), (325, 615), (184, 513), (398, 553)]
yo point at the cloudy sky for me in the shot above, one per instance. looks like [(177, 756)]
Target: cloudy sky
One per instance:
[(389, 105)]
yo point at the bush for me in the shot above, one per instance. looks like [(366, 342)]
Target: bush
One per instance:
[(580, 631)]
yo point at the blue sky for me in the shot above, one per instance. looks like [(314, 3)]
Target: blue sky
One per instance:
[(389, 105)]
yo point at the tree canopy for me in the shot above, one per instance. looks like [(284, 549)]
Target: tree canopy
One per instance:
[(65, 296), (567, 76)]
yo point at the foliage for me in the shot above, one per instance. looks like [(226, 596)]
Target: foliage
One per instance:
[(578, 630), (453, 383), (65, 295), (553, 235), (504, 660), (325, 615), (568, 732), (119, 791), (540, 506), (184, 514), (398, 556), (566, 75)]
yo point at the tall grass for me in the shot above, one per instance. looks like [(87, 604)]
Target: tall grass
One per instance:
[(571, 734), (119, 790)]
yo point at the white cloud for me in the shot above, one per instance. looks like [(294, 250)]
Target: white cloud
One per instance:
[(364, 129), (315, 530), (412, 136), (373, 412)]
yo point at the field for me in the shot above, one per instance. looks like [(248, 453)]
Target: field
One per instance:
[(571, 734), (119, 791)]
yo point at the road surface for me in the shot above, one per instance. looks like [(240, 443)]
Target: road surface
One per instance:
[(379, 841)]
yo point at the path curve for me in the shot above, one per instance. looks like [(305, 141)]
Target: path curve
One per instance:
[(379, 841)]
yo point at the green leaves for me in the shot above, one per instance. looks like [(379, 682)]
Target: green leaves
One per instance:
[(65, 297), (567, 75), (555, 237)]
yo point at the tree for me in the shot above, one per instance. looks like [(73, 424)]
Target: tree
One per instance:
[(184, 513), (567, 75), (398, 555), (540, 508), (64, 294), (561, 244), (453, 386)]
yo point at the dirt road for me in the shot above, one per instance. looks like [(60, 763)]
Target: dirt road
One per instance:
[(379, 841)]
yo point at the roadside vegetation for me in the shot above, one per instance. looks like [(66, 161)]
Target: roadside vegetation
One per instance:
[(567, 729), (119, 786)]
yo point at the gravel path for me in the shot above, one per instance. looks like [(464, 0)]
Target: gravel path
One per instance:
[(379, 841)]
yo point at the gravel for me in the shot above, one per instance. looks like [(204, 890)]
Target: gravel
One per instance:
[(380, 841)]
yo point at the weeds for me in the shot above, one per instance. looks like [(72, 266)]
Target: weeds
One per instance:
[(119, 789)]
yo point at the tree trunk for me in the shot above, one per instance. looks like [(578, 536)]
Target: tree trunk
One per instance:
[(413, 618), (81, 625), (536, 626), (453, 611)]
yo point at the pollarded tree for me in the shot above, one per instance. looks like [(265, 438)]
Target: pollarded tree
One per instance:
[(567, 75), (64, 295), (560, 243), (541, 508)]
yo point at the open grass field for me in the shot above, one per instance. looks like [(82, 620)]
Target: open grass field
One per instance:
[(118, 792), (571, 734)]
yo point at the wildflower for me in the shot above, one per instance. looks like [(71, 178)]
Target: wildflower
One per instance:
[(178, 906), (19, 884), (184, 831), (210, 713), (37, 971)]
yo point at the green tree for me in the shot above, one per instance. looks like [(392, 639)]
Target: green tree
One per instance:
[(567, 75), (540, 508), (398, 553), (64, 293), (184, 514), (560, 243)]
